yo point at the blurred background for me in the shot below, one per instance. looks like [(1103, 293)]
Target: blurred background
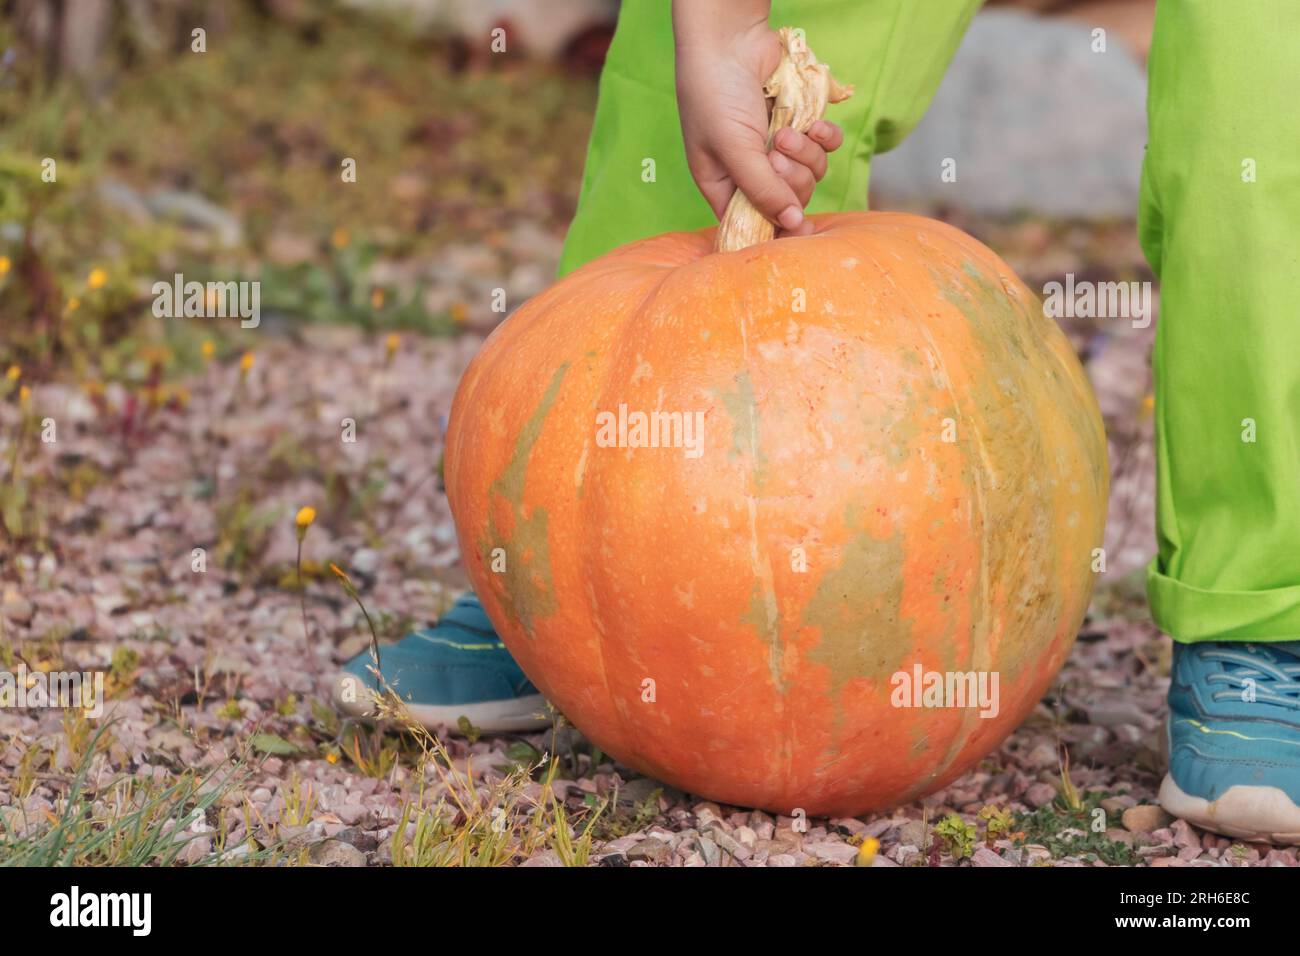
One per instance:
[(133, 148)]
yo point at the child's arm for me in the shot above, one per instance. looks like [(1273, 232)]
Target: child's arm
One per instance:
[(725, 53)]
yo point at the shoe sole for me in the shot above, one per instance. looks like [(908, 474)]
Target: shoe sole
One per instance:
[(1253, 814), (517, 715)]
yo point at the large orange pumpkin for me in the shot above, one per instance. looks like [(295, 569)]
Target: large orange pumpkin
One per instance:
[(901, 471)]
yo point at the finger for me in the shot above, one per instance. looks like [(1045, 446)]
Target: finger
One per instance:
[(712, 180), (804, 228), (717, 194), (826, 135), (799, 177), (771, 195), (802, 150)]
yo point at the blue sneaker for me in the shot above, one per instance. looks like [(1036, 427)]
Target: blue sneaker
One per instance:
[(457, 668), (1234, 739)]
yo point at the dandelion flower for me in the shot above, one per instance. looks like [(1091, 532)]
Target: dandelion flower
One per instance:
[(246, 363), (351, 590), (73, 304), (4, 264), (24, 396), (97, 278), (339, 238), (1148, 404), (302, 521), (867, 852), (390, 345), (209, 350), (331, 758), (15, 371)]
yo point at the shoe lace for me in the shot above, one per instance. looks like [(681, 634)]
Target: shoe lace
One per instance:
[(1272, 674)]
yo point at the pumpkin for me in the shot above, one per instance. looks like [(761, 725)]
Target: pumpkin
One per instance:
[(807, 524)]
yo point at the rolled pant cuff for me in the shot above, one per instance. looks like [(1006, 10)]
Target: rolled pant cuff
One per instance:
[(1190, 614)]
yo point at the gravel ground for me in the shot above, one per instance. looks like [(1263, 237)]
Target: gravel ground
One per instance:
[(209, 662)]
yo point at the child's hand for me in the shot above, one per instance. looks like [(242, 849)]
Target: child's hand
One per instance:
[(725, 53)]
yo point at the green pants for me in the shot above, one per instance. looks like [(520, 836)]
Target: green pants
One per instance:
[(894, 52), (1219, 220)]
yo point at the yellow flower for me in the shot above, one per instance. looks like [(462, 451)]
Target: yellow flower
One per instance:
[(867, 852), (4, 265), (339, 238), (306, 515), (14, 372), (246, 363), (97, 278), (209, 350), (331, 758), (459, 313), (391, 343), (24, 396), (73, 304), (377, 299), (340, 573), (1148, 405)]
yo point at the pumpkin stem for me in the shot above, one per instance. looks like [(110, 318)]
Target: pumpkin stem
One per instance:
[(799, 89)]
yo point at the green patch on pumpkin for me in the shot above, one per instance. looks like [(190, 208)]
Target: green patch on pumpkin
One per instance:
[(529, 589), (743, 411), (858, 610)]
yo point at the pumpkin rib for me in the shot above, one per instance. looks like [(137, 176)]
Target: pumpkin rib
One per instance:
[(981, 652), (686, 276), (497, 363), (761, 564), (633, 317), (764, 572), (1031, 407), (978, 463), (979, 649), (788, 717)]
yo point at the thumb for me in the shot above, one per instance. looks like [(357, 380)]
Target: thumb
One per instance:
[(771, 195)]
